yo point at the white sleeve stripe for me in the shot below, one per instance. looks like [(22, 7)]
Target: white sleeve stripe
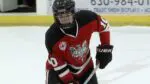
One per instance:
[(64, 73), (60, 67), (104, 21), (105, 24), (106, 28)]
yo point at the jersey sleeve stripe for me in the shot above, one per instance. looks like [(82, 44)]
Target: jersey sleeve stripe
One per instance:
[(60, 67), (64, 73), (105, 25)]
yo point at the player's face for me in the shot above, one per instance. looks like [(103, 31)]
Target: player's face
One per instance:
[(65, 17)]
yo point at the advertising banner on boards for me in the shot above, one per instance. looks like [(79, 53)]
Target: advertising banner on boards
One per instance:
[(111, 6)]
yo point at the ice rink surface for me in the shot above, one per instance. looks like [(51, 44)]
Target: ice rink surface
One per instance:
[(23, 55)]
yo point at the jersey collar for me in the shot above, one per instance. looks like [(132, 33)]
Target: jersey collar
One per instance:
[(71, 35)]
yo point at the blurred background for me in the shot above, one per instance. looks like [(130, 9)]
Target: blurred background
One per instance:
[(23, 24), (37, 12)]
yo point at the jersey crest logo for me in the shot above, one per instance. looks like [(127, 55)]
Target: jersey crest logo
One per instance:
[(79, 51), (62, 46)]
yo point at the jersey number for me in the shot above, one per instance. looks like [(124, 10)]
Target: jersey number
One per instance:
[(53, 62)]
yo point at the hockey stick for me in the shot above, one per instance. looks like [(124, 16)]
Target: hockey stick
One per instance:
[(91, 75)]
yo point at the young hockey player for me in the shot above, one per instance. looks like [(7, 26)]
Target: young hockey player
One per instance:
[(67, 42)]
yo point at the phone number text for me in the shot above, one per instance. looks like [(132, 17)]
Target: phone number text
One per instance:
[(120, 2)]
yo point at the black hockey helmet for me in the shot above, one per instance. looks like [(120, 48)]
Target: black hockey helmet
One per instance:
[(63, 11)]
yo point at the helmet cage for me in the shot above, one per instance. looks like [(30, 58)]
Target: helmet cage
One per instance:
[(63, 11)]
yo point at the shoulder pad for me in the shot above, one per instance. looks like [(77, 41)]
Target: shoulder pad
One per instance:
[(52, 35)]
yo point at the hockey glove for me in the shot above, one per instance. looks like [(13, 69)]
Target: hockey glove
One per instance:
[(104, 55)]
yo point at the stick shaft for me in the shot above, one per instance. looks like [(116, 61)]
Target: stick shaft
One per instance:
[(91, 75)]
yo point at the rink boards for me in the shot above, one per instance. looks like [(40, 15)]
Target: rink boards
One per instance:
[(41, 20)]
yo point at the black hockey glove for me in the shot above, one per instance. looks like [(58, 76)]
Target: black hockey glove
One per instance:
[(104, 55)]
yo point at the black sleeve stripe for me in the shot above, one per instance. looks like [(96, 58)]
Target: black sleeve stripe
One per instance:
[(73, 69), (60, 69)]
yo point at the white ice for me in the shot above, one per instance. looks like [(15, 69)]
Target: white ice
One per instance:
[(23, 55)]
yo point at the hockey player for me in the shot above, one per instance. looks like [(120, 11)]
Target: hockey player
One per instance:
[(67, 42)]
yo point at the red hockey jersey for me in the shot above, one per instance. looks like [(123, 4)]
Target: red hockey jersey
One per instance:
[(69, 53)]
